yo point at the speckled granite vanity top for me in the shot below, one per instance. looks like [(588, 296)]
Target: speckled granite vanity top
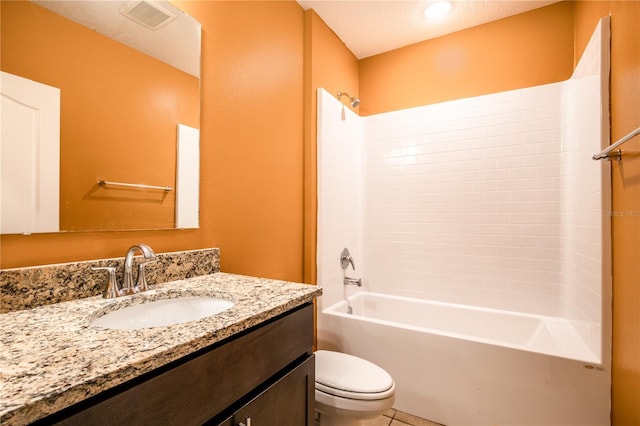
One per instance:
[(52, 357)]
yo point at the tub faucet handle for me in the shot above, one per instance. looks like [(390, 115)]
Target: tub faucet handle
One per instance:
[(346, 259)]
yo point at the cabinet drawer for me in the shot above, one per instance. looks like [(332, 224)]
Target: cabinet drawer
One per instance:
[(198, 389)]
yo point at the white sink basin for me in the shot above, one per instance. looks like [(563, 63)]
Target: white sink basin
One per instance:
[(163, 312)]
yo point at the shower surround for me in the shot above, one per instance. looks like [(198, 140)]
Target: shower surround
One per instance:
[(491, 201)]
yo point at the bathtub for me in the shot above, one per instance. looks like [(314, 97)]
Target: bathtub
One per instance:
[(463, 365)]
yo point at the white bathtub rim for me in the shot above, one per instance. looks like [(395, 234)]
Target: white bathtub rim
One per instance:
[(582, 354)]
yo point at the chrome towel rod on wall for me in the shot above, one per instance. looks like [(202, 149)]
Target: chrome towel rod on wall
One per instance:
[(606, 153), (134, 185)]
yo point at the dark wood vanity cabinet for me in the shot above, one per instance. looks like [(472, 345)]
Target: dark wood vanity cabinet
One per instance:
[(264, 375)]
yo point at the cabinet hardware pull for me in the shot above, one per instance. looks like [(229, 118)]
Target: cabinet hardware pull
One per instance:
[(247, 420)]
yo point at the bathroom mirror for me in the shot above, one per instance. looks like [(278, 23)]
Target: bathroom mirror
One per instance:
[(128, 76)]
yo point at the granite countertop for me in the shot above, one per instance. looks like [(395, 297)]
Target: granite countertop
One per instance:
[(52, 357)]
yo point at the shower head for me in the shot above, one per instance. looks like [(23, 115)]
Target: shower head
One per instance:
[(352, 99)]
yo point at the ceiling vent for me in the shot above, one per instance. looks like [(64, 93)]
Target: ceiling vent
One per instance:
[(148, 14)]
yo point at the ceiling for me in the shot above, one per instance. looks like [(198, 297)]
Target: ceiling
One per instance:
[(369, 27), (177, 44)]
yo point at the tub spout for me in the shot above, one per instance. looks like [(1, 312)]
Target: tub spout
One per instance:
[(352, 281)]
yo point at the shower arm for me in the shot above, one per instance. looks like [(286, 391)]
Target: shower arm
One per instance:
[(352, 99)]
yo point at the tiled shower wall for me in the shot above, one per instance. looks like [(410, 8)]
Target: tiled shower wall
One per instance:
[(587, 195), (340, 187), (491, 201), (463, 201)]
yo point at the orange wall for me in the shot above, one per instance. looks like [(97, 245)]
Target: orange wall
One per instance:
[(251, 151), (105, 85), (252, 122), (525, 50), (625, 117), (331, 66)]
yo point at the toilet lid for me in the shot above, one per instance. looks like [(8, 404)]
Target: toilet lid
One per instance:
[(348, 373)]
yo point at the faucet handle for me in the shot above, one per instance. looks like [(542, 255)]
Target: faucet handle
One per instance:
[(141, 283), (112, 289), (346, 259)]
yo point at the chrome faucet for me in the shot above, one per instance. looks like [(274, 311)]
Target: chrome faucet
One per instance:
[(345, 261), (141, 284), (113, 289)]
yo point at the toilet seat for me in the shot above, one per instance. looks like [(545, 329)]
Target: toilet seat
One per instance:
[(348, 376)]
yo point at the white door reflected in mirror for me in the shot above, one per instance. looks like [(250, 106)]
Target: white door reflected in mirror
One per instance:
[(30, 156), (188, 178)]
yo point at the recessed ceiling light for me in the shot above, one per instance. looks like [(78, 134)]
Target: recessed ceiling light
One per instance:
[(437, 9)]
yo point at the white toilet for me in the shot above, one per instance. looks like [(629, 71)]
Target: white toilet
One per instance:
[(350, 389)]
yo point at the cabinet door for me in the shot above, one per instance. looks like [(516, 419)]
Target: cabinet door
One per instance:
[(288, 402)]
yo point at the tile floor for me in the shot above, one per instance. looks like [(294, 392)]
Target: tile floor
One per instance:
[(398, 418)]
